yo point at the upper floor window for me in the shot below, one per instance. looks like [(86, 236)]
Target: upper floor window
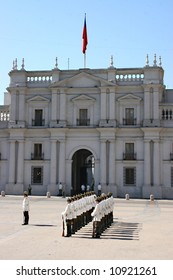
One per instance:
[(129, 152), (83, 118), (129, 117), (38, 121), (37, 155)]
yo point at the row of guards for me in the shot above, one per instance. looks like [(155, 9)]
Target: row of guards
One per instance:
[(84, 208)]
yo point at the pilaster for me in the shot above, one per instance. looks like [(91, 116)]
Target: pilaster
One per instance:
[(103, 162), (62, 120), (20, 167), (156, 163), (147, 163), (62, 161), (53, 162)]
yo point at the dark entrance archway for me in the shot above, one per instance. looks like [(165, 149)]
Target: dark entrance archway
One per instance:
[(82, 170)]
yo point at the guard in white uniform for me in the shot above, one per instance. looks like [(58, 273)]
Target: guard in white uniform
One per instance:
[(67, 219), (97, 215)]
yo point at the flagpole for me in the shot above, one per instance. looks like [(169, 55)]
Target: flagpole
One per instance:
[(85, 60)]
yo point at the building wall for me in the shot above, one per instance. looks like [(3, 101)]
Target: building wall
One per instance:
[(125, 108)]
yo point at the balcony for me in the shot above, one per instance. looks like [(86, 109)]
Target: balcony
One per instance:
[(83, 122), (129, 156), (37, 156), (38, 122), (129, 122)]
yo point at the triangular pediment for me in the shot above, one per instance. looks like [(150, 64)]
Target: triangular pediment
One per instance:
[(82, 80), (129, 97), (83, 97), (38, 98)]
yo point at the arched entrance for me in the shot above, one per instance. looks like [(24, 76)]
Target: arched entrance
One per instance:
[(82, 170)]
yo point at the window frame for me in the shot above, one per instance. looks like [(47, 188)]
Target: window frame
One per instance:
[(35, 181)]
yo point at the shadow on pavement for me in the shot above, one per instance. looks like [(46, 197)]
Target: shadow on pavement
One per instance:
[(118, 230), (42, 225)]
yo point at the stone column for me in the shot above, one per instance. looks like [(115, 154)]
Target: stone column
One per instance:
[(13, 107), (21, 101), (111, 106), (103, 162), (53, 162), (147, 104), (63, 108), (156, 105), (20, 161), (103, 106), (156, 162), (12, 162), (62, 161), (112, 162), (54, 106), (147, 163)]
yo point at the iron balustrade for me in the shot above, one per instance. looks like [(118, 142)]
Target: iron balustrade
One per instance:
[(38, 122), (129, 121), (129, 156), (83, 122), (37, 156)]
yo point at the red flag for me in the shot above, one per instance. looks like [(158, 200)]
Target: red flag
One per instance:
[(84, 36)]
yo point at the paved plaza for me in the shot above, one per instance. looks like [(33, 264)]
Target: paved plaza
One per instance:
[(142, 229)]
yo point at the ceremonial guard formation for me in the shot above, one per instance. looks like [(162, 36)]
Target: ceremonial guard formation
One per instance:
[(84, 208), (102, 214)]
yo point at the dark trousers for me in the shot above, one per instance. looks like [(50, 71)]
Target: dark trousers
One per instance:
[(26, 217)]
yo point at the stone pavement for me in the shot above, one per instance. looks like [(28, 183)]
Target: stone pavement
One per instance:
[(142, 229)]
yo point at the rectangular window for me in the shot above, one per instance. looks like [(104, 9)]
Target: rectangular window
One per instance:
[(129, 176), (129, 151), (38, 155), (83, 117), (37, 175), (38, 121), (129, 117)]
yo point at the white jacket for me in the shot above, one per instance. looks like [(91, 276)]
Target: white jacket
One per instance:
[(96, 214), (67, 214), (25, 204)]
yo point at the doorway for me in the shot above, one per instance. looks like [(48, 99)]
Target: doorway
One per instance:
[(82, 170)]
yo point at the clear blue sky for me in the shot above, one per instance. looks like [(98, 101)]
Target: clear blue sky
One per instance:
[(40, 30)]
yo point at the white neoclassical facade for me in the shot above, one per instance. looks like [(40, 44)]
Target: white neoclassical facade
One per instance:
[(88, 126)]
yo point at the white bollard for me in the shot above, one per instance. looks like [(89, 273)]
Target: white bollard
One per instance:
[(2, 193), (151, 197), (127, 196), (48, 195)]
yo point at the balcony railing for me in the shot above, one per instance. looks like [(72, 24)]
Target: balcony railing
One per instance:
[(38, 122), (129, 121), (83, 122), (37, 157), (129, 156), (167, 114)]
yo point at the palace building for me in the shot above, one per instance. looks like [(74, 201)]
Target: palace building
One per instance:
[(112, 126)]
